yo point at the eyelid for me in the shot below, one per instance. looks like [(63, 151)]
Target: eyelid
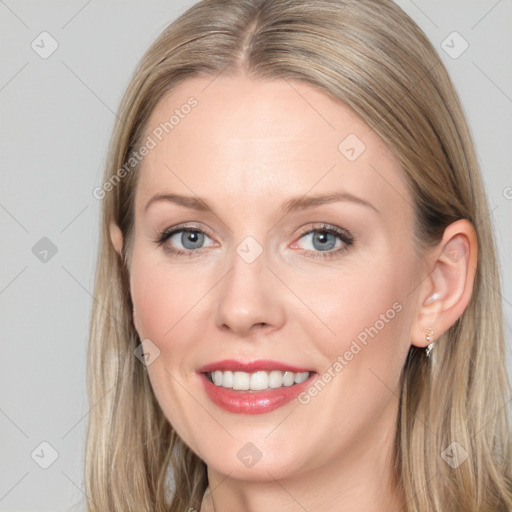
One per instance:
[(187, 227), (319, 226)]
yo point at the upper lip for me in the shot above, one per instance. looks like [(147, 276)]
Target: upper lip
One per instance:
[(250, 366)]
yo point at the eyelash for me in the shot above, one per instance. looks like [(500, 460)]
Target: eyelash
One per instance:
[(344, 235)]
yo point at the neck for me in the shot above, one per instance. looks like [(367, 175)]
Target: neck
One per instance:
[(361, 480)]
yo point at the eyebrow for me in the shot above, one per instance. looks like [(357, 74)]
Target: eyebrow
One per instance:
[(291, 205)]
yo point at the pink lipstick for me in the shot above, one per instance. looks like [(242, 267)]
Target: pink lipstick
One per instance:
[(254, 387)]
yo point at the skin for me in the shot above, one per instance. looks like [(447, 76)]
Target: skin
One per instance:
[(246, 148)]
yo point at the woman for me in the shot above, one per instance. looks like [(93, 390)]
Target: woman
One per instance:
[(297, 300)]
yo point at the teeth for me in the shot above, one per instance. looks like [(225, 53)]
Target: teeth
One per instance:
[(288, 378), (226, 379), (257, 381), (275, 379), (241, 381), (217, 378)]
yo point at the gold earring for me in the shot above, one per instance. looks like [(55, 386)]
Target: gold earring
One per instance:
[(429, 337)]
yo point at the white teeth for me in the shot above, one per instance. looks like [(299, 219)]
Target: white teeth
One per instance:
[(217, 378), (227, 379), (288, 378), (275, 379), (301, 377), (256, 381), (259, 381), (241, 381)]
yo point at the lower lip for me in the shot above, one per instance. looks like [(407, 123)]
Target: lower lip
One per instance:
[(253, 402)]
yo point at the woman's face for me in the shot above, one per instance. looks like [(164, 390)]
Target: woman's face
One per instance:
[(270, 272)]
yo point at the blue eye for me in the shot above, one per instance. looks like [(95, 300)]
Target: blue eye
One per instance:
[(324, 239), (191, 239)]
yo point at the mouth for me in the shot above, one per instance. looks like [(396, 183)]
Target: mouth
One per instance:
[(253, 387)]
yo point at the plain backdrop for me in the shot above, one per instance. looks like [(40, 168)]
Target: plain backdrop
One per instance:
[(56, 118)]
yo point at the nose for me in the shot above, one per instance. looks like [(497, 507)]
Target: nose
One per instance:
[(249, 298)]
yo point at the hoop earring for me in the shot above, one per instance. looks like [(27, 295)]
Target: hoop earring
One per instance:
[(429, 337)]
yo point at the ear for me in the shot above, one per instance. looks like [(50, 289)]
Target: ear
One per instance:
[(447, 290), (116, 237)]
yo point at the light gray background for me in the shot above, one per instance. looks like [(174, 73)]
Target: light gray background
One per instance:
[(56, 118)]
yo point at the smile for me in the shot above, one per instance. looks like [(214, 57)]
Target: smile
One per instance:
[(253, 387)]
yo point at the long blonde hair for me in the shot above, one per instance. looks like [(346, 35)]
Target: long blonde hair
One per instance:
[(370, 55)]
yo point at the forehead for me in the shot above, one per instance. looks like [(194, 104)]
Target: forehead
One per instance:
[(238, 139)]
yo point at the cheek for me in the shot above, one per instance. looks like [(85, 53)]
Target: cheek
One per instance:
[(354, 300), (164, 300), (162, 296), (366, 316)]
